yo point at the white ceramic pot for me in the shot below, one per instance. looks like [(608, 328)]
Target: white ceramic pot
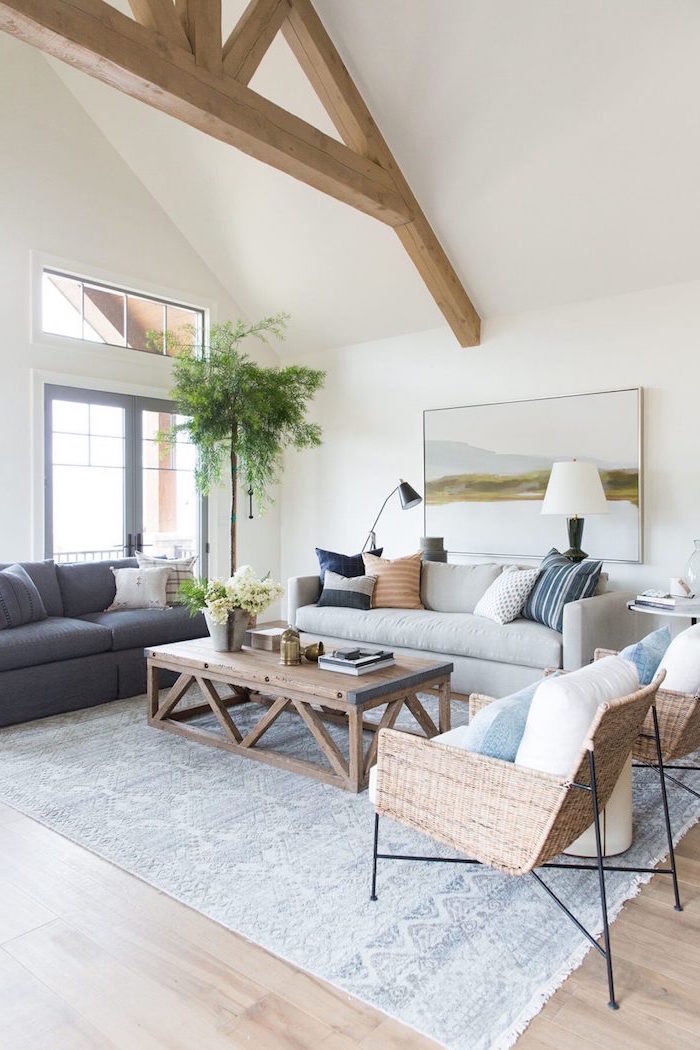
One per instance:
[(228, 637)]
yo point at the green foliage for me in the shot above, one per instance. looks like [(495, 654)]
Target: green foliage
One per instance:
[(240, 412), (193, 595)]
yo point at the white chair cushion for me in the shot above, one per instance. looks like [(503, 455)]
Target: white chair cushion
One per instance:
[(563, 709), (681, 662), (504, 599)]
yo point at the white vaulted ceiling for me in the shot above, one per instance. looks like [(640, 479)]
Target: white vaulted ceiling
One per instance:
[(553, 145)]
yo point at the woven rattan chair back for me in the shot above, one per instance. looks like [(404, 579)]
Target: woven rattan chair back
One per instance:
[(679, 724), (501, 814)]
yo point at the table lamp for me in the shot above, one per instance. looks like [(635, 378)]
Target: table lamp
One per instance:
[(409, 498), (575, 490)]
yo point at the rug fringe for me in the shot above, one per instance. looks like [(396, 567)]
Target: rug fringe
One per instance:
[(508, 1038)]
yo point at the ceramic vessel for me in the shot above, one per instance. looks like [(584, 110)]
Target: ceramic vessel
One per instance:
[(228, 637), (692, 572)]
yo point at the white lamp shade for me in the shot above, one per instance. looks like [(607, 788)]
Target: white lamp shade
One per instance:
[(574, 489)]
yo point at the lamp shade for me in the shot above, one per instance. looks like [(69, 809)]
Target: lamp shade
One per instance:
[(408, 496), (574, 489)]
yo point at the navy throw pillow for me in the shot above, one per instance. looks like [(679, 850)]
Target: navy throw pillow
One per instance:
[(560, 581), (347, 565), (20, 601)]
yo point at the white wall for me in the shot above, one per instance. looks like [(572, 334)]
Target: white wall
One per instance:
[(371, 414), (65, 193)]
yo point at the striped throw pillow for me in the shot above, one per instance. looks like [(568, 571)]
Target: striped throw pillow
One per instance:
[(560, 582), (347, 592), (181, 569), (398, 581)]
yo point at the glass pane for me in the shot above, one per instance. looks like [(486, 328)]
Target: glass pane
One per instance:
[(98, 530), (184, 325), (170, 502), (106, 452), (71, 448), (61, 311), (145, 324), (88, 481), (103, 320), (70, 417), (106, 420)]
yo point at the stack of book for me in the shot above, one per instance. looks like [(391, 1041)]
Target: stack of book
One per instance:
[(356, 661), (669, 602)]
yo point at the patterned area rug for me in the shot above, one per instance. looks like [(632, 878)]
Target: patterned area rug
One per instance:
[(467, 957)]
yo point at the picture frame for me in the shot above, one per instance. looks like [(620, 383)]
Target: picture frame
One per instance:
[(486, 468)]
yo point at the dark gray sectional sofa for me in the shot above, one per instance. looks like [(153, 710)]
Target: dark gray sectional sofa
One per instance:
[(81, 655)]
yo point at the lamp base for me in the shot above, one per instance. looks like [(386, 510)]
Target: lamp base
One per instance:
[(574, 527)]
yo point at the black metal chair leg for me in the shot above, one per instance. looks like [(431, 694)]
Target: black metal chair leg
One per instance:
[(373, 894), (667, 818), (601, 880)]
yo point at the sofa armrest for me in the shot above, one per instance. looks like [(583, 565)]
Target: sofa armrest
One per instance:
[(603, 620), (301, 590)]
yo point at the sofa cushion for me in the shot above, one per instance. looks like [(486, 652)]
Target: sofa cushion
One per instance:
[(563, 709), (44, 578), (504, 599), (522, 642), (140, 628), (560, 582), (398, 581), (140, 589), (455, 588), (20, 601), (89, 586), (681, 662), (57, 638), (346, 565), (179, 570), (646, 655), (342, 592)]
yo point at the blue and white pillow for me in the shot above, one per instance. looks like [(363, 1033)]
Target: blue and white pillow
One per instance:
[(343, 593), (560, 582), (647, 654), (497, 729), (344, 564)]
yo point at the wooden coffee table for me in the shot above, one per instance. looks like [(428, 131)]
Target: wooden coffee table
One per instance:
[(318, 697)]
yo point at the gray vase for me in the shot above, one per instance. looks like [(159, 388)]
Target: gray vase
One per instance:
[(228, 637)]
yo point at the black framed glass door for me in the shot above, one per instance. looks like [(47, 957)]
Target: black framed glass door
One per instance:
[(111, 487)]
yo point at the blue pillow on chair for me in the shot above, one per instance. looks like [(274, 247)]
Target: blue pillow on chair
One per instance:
[(497, 729), (647, 654)]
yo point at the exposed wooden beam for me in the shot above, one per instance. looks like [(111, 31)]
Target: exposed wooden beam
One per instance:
[(96, 38), (172, 58), (204, 31), (161, 16), (250, 39), (336, 89)]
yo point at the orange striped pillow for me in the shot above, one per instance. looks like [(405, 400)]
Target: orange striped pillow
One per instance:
[(398, 581)]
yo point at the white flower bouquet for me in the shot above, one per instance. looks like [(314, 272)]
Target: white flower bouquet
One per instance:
[(244, 590)]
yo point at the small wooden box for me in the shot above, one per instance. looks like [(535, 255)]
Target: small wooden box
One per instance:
[(267, 638)]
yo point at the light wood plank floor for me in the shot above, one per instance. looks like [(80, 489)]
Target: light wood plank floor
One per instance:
[(93, 958)]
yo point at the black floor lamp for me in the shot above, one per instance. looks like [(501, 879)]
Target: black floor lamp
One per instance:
[(409, 498)]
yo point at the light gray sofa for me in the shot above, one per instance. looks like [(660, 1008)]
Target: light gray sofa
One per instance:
[(488, 657)]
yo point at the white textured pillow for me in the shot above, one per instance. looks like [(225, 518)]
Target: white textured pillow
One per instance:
[(681, 662), (179, 569), (504, 599), (140, 589), (563, 708)]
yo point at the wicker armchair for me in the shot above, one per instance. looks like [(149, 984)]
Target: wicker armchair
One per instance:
[(503, 815), (679, 731)]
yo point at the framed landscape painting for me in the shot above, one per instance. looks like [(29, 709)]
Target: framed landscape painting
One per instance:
[(487, 467)]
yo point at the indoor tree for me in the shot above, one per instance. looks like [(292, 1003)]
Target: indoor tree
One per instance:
[(240, 414)]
